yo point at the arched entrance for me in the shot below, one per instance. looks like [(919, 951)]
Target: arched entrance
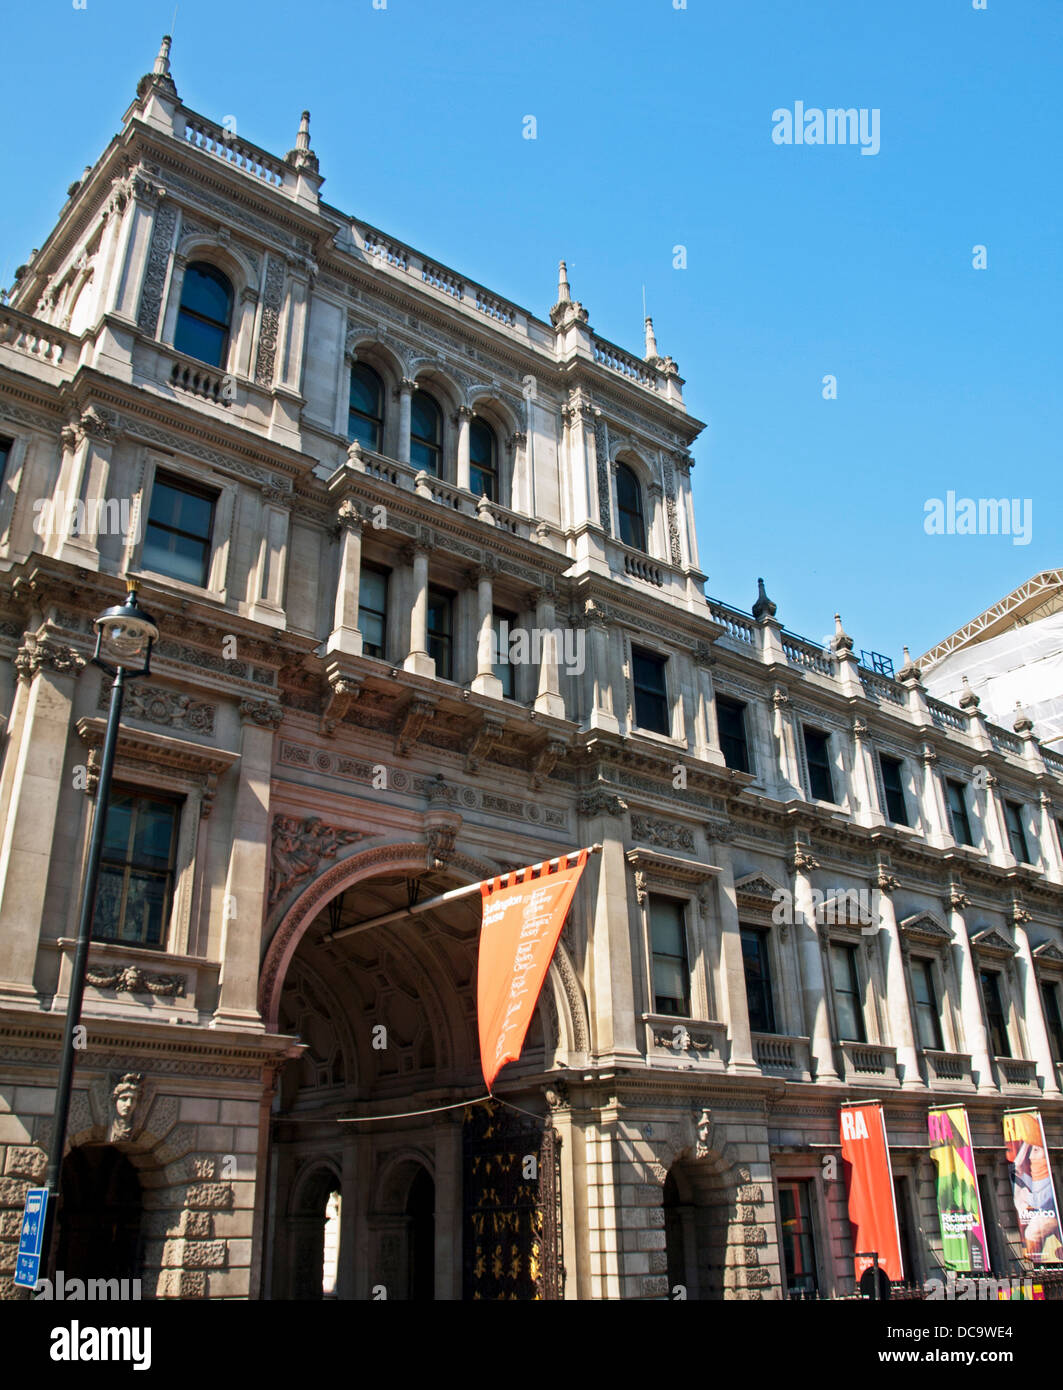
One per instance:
[(387, 1018), (100, 1215), (699, 1207)]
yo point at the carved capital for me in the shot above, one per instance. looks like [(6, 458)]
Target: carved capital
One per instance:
[(47, 655), (600, 803), (349, 517), (264, 713), (804, 861), (957, 899)]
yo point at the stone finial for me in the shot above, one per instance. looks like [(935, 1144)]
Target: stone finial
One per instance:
[(159, 77), (1023, 723), (563, 295), (303, 157), (764, 607), (567, 310), (968, 700), (651, 341), (841, 641), (909, 670)]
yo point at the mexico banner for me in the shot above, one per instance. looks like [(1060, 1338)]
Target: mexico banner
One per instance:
[(963, 1241), (872, 1211), (522, 919), (1032, 1188)]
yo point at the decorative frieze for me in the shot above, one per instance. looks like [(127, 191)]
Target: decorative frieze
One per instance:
[(167, 708), (155, 274), (131, 979), (299, 847), (652, 830), (270, 323)]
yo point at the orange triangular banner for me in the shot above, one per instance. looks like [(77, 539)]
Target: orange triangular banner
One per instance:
[(522, 920)]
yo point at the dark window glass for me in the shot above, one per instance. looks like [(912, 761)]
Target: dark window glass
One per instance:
[(731, 721), (896, 809), (365, 413), (1053, 1021), (440, 633), (798, 1239), (5, 454), (1016, 834), (847, 1004), (994, 1014), (671, 974), (904, 1229), (958, 817), (927, 1014), (205, 314), (426, 434), (629, 508), (503, 668), (757, 964), (651, 696), (373, 610), (483, 461), (177, 538), (136, 870), (817, 752), (998, 1260)]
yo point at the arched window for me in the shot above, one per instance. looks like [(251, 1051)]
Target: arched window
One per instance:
[(629, 507), (205, 314), (426, 434), (483, 461), (365, 417)]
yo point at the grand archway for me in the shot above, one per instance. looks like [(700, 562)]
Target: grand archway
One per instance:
[(387, 1021)]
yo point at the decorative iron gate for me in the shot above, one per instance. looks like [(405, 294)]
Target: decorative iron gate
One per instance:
[(512, 1206)]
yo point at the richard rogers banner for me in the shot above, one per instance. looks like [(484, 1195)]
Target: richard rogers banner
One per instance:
[(963, 1241), (1032, 1189), (872, 1210), (522, 920)]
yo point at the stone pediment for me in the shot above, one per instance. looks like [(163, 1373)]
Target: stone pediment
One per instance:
[(1048, 955), (756, 892), (990, 942), (926, 927)]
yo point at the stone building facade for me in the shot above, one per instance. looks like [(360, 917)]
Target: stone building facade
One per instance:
[(337, 468)]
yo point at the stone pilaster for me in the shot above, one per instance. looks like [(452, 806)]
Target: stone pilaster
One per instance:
[(346, 635), (975, 1040), (813, 980), (418, 659), (1026, 977), (898, 1012)]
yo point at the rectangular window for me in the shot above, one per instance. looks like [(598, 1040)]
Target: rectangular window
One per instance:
[(998, 1260), (503, 667), (440, 632), (6, 446), (1053, 1021), (904, 1230), (757, 964), (994, 1014), (180, 522), (1016, 834), (848, 1008), (136, 869), (958, 818), (731, 721), (373, 610), (798, 1240), (927, 1014), (896, 808), (817, 752), (651, 696), (671, 972)]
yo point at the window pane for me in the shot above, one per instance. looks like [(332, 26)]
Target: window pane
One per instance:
[(755, 960), (207, 292), (482, 445), (365, 431), (365, 391), (666, 926), (817, 753), (798, 1244), (373, 591), (108, 916), (425, 419), (174, 555), (730, 719), (424, 456), (180, 510), (154, 834), (136, 878), (203, 341)]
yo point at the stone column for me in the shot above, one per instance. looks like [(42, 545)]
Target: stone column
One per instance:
[(898, 1012), (346, 635), (448, 1178), (994, 824), (548, 700), (1049, 838), (33, 782), (602, 715), (464, 420), (975, 1039), (866, 811), (418, 659), (732, 976), (1036, 1031), (244, 904), (656, 525), (405, 394), (813, 981), (610, 927), (788, 775), (83, 477), (706, 731), (485, 682), (933, 808), (273, 549)]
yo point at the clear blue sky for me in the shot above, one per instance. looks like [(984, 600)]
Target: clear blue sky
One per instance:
[(654, 129)]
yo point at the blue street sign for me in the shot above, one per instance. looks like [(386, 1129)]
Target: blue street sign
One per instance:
[(28, 1261)]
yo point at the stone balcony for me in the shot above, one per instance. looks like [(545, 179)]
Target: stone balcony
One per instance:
[(1017, 1075), (948, 1071), (782, 1056), (868, 1064), (701, 1042)]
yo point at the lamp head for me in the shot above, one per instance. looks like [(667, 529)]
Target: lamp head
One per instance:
[(125, 635)]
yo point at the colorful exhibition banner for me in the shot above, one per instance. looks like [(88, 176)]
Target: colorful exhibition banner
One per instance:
[(523, 914), (963, 1241), (1032, 1188), (872, 1210)]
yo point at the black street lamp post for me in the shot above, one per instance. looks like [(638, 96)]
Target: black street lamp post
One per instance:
[(125, 635)]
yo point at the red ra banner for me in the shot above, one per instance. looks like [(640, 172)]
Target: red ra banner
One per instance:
[(872, 1212), (522, 920)]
